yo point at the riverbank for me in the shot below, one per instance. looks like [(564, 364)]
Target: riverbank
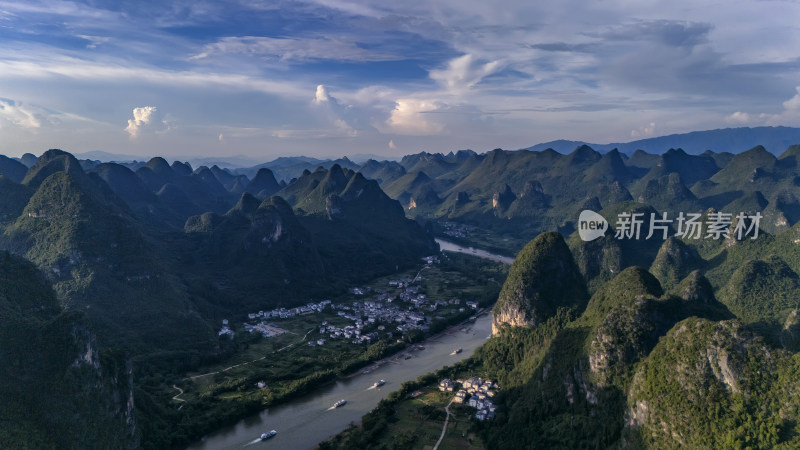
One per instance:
[(305, 421), (414, 347)]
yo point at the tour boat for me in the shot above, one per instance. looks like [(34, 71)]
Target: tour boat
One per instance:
[(266, 436)]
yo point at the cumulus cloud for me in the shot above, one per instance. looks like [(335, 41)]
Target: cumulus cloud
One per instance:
[(391, 144), (644, 132), (791, 112), (790, 115), (739, 118), (336, 119), (142, 116), (793, 104), (321, 95), (324, 117), (18, 114), (411, 117)]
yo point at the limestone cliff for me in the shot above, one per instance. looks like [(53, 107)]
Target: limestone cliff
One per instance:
[(543, 278)]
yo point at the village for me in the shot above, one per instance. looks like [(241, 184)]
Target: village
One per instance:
[(456, 230), (391, 311), (475, 392)]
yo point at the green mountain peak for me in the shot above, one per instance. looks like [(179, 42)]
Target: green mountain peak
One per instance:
[(542, 279)]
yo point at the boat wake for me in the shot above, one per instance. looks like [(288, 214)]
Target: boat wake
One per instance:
[(254, 441)]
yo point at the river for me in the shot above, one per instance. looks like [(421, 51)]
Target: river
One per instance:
[(306, 421), (448, 246)]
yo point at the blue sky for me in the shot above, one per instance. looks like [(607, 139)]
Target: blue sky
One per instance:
[(335, 77)]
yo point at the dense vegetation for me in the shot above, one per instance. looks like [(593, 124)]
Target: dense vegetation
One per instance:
[(644, 368), (615, 342), (544, 277), (54, 380), (147, 260)]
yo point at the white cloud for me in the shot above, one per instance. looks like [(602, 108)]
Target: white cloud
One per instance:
[(464, 72), (644, 132), (321, 95), (345, 128), (18, 114), (340, 48), (220, 137), (793, 104), (739, 118), (689, 66), (94, 41), (141, 117), (391, 145), (334, 118), (411, 117), (17, 66), (790, 116)]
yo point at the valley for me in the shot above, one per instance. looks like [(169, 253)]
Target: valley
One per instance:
[(201, 302), (268, 372)]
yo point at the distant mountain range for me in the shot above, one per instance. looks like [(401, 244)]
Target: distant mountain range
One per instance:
[(732, 140), (517, 192), (728, 140)]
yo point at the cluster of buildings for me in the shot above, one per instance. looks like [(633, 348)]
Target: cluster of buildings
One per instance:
[(401, 308), (476, 393), (283, 313), (225, 330), (456, 229), (350, 332), (366, 313)]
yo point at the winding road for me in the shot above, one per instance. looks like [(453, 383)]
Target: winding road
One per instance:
[(180, 392), (444, 428)]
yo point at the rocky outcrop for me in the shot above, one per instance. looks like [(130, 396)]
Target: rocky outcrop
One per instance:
[(706, 365), (790, 336), (501, 200), (620, 340), (59, 388), (333, 207), (542, 279), (530, 202)]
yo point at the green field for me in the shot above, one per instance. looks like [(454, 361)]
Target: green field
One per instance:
[(418, 423)]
